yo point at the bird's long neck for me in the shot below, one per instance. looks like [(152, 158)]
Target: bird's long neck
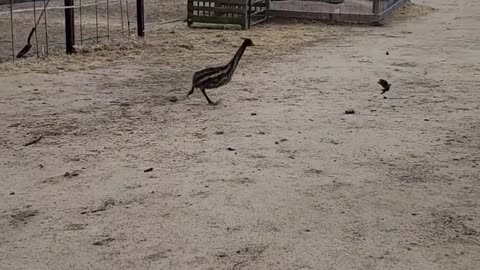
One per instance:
[(236, 58)]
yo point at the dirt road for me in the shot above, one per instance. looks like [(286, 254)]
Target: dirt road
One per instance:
[(276, 177)]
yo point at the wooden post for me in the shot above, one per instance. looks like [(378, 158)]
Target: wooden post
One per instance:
[(45, 3), (12, 31), (69, 26), (248, 10), (376, 7), (267, 8), (140, 18)]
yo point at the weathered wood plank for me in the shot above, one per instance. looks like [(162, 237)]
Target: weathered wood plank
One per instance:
[(215, 19), (324, 16), (230, 2), (240, 10), (217, 2)]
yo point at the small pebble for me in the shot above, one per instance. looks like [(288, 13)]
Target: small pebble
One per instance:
[(148, 170), (172, 98), (230, 149), (14, 125), (253, 113), (12, 193), (71, 174), (350, 111)]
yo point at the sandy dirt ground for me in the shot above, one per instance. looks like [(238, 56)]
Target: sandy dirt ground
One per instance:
[(275, 177)]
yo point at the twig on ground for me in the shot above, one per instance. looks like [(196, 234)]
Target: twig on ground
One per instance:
[(34, 141), (237, 264)]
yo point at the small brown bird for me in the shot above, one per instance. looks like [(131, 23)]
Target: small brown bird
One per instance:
[(385, 85)]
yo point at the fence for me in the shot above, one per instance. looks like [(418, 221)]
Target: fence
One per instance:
[(42, 27), (240, 12), (335, 10)]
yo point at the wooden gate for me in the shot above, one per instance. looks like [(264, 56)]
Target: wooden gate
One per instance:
[(237, 12)]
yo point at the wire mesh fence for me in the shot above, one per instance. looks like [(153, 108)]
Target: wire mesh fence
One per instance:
[(38, 28), (386, 5), (335, 10)]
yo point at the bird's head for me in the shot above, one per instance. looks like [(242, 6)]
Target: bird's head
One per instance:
[(248, 42)]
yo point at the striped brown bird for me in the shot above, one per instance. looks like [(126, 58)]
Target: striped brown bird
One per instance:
[(215, 77)]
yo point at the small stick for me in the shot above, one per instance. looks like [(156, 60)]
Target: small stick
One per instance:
[(34, 141), (237, 264)]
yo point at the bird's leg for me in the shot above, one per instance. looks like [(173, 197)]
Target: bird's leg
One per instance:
[(209, 101), (191, 91)]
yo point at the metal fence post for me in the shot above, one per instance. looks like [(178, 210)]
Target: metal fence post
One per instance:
[(140, 18), (69, 26)]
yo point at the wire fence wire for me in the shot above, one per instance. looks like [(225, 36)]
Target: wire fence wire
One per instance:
[(37, 28), (341, 10)]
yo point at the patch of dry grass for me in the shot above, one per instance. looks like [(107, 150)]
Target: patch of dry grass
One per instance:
[(177, 45)]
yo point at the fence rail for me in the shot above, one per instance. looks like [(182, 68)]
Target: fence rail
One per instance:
[(40, 27)]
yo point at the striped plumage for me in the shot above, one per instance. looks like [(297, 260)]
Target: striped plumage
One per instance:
[(215, 77)]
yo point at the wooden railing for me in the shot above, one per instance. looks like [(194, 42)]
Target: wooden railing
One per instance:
[(237, 12)]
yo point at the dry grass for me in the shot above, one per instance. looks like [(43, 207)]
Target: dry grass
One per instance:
[(178, 46)]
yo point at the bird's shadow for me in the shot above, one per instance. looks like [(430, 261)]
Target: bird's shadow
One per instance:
[(202, 103)]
